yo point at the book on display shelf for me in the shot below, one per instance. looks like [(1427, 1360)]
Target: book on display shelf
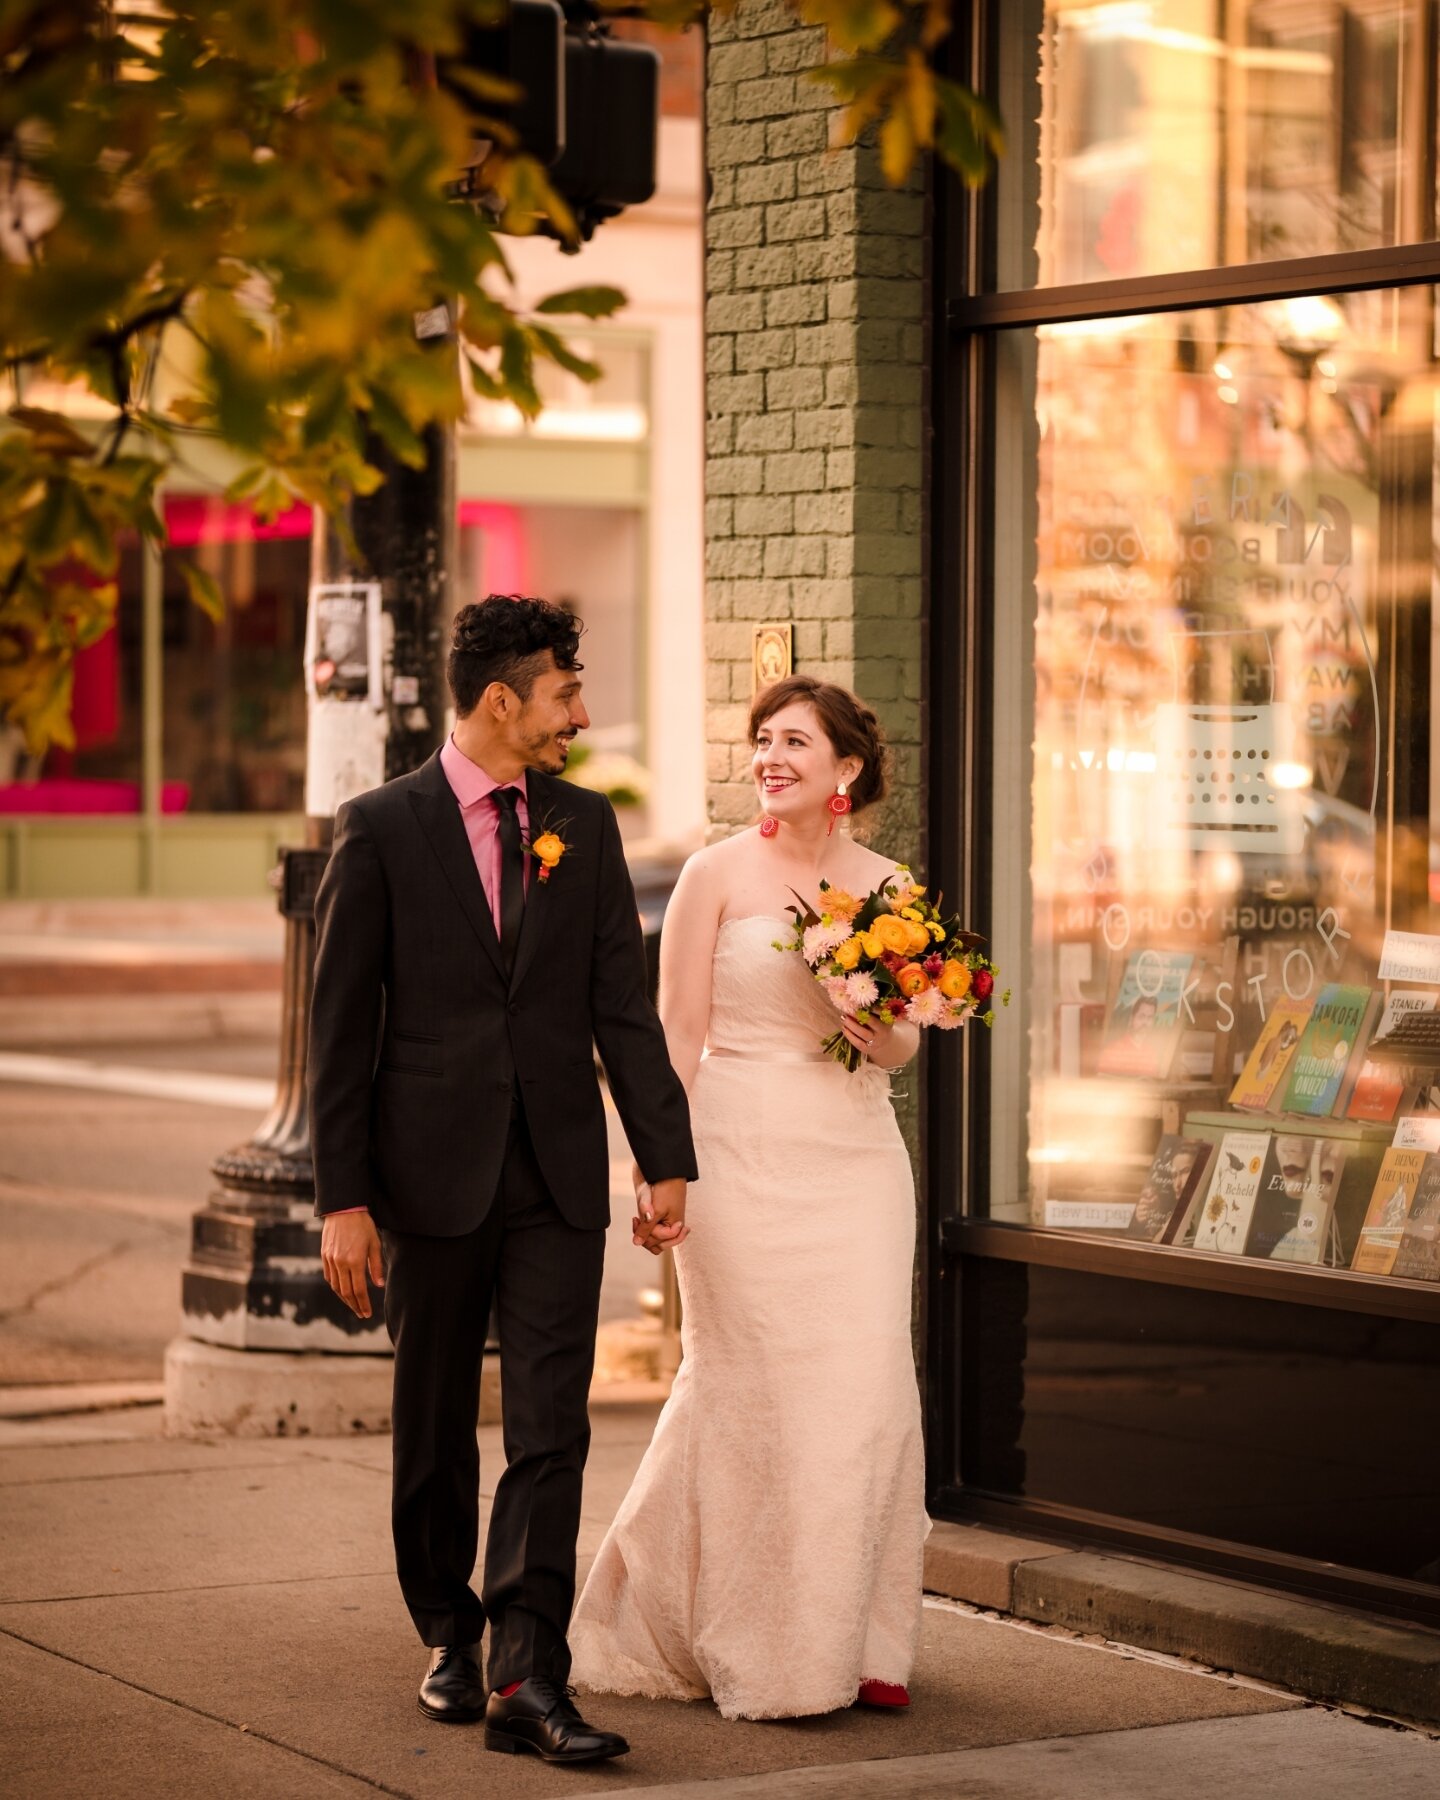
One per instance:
[(1417, 1257), (1390, 1203), (1296, 1201), (1143, 1031), (1359, 1050), (1380, 1086), (1269, 1062), (1229, 1205), (1176, 1176), (1323, 1054)]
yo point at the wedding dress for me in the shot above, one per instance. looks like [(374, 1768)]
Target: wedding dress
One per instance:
[(768, 1553)]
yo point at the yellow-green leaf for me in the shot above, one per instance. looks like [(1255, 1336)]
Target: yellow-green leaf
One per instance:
[(204, 591)]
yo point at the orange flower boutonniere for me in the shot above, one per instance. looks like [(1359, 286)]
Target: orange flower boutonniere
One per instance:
[(547, 849)]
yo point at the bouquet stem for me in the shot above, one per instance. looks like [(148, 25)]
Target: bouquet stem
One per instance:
[(843, 1051)]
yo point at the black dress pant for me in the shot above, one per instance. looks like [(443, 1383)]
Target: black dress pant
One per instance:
[(544, 1276)]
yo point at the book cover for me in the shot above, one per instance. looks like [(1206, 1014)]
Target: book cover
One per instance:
[(1269, 1062), (1324, 1049), (1234, 1187), (1417, 1256), (1389, 1208), (1298, 1185), (1175, 1175), (1378, 1089), (1363, 1038), (1145, 1025)]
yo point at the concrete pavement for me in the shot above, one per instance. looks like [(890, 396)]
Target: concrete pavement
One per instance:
[(206, 1618)]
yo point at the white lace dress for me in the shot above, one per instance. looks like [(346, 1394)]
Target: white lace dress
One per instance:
[(769, 1551)]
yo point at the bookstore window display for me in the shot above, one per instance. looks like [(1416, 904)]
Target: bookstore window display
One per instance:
[(1223, 689)]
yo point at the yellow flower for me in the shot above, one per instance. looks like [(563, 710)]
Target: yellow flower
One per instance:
[(919, 935), (849, 953), (909, 912), (954, 981), (936, 931), (893, 933), (870, 943), (548, 849)]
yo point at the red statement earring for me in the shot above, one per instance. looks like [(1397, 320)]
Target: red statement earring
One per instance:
[(839, 805), (769, 826)]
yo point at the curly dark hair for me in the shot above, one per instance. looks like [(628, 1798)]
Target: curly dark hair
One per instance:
[(850, 725), (501, 638)]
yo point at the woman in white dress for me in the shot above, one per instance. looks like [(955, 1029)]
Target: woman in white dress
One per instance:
[(768, 1553)]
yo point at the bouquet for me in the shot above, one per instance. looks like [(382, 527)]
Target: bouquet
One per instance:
[(892, 956)]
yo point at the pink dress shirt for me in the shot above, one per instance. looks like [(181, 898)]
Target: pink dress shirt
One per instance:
[(472, 787)]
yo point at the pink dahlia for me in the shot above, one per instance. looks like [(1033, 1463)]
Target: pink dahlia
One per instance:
[(928, 1008), (860, 989)]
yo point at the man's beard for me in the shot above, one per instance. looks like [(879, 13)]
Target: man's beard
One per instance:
[(547, 752)]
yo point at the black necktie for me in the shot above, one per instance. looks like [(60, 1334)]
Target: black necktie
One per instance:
[(512, 873)]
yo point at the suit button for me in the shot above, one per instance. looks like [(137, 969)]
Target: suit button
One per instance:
[(503, 1084)]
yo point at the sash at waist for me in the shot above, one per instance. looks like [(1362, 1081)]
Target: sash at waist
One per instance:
[(771, 1056)]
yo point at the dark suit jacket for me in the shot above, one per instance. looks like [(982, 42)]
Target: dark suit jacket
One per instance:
[(417, 1039)]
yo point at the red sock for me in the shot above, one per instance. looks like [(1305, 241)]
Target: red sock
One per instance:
[(506, 1692)]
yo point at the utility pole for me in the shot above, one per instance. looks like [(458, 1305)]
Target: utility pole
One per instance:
[(254, 1300)]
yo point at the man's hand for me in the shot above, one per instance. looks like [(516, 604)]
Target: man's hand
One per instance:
[(349, 1248), (661, 1224)]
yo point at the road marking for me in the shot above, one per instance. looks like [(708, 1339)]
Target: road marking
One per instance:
[(242, 1091)]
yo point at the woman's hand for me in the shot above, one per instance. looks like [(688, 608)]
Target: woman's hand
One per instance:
[(887, 1046)]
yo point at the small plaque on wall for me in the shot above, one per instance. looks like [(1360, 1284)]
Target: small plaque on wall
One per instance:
[(774, 648)]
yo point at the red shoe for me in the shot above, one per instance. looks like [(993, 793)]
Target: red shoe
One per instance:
[(884, 1694)]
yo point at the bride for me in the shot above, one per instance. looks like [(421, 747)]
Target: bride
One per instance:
[(768, 1553)]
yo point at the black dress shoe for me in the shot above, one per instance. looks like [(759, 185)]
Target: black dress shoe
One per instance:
[(452, 1690), (541, 1718)]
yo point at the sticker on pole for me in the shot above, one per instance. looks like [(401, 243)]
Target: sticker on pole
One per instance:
[(342, 642)]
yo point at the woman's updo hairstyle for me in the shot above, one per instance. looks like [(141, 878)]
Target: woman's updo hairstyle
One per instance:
[(853, 730)]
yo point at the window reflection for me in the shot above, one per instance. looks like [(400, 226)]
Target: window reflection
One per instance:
[(1177, 134), (1234, 540)]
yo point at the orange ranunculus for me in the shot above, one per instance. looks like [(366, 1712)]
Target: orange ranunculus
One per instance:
[(548, 849), (954, 981), (919, 936), (849, 953), (893, 933), (911, 980)]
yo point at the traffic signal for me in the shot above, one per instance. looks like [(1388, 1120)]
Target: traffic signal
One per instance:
[(589, 106)]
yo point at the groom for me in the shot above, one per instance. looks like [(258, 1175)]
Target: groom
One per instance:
[(477, 937)]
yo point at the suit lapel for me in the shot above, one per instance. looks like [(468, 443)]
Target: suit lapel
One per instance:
[(439, 814), (540, 794)]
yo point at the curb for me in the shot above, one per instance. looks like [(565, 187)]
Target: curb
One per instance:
[(1323, 1652)]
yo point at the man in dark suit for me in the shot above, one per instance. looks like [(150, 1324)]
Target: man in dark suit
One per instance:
[(477, 938)]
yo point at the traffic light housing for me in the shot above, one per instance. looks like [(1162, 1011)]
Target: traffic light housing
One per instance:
[(589, 108)]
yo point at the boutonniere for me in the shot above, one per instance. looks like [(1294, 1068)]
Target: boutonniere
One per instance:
[(548, 847)]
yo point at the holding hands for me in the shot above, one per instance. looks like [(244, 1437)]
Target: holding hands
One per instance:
[(660, 1214)]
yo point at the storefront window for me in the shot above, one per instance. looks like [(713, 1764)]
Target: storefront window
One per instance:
[(1215, 677), (1176, 134), (234, 698)]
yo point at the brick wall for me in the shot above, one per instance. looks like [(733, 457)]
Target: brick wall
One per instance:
[(814, 404)]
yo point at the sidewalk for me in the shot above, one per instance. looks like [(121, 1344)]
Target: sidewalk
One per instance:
[(132, 971), (198, 1619)]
